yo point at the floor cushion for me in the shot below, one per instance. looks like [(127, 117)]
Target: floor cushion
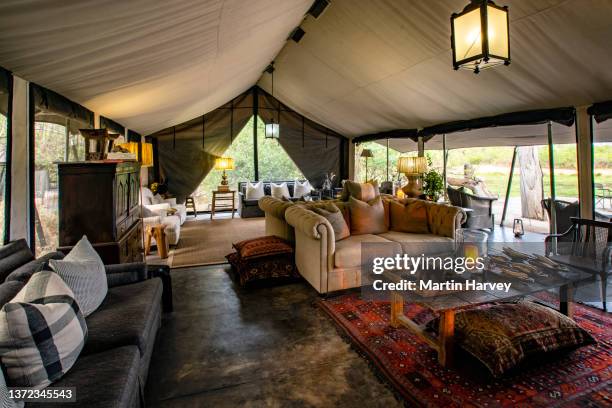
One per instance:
[(106, 379), (126, 317), (262, 247), (501, 336), (348, 251)]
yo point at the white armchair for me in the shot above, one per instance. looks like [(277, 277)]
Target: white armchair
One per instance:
[(155, 202), (158, 216)]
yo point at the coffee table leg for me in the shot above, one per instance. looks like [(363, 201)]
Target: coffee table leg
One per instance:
[(397, 309), (446, 335), (566, 300)]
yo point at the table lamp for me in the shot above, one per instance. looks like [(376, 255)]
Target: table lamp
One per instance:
[(413, 168), (224, 163)]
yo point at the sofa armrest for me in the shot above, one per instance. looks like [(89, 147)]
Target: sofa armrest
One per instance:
[(124, 274), (308, 222), (170, 201), (445, 219), (163, 272)]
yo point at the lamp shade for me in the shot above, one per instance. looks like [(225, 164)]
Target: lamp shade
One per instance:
[(412, 165), (146, 155), (480, 36), (367, 153), (224, 163), (272, 131)]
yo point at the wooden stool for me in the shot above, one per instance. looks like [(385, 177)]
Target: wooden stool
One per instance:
[(189, 202), (157, 231)]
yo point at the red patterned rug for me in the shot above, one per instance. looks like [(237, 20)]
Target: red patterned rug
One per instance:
[(580, 378)]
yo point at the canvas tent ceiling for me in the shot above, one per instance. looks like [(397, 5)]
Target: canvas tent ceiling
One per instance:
[(146, 64), (362, 67), (370, 66)]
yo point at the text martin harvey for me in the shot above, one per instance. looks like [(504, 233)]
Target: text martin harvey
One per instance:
[(404, 285)]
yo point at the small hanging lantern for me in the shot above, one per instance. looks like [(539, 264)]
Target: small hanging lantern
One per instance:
[(480, 36), (517, 228), (272, 128)]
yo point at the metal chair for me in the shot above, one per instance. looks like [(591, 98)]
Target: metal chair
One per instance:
[(587, 239), (482, 215), (602, 193)]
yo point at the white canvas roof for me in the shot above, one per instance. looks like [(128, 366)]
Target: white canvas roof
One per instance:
[(363, 67)]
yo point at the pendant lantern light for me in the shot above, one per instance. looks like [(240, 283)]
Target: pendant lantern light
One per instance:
[(480, 36), (272, 128)]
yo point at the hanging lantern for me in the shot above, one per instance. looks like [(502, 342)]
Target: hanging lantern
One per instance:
[(480, 36), (272, 128)]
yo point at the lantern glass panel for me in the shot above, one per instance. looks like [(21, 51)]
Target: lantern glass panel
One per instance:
[(467, 35), (497, 20), (272, 131)]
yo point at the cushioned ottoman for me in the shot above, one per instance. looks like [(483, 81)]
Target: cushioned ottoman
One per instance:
[(262, 258)]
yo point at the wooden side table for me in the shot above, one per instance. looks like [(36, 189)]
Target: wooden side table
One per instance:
[(190, 202), (157, 231), (223, 200)]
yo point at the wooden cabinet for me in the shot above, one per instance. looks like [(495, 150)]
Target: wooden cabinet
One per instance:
[(100, 200)]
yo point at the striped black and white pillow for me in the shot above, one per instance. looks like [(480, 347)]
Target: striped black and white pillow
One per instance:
[(5, 401), (83, 271), (42, 332)]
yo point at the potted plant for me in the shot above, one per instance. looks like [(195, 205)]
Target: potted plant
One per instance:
[(433, 183)]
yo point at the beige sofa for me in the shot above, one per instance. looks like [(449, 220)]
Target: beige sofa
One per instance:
[(330, 265)]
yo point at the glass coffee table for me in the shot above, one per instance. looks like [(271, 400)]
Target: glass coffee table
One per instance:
[(499, 270)]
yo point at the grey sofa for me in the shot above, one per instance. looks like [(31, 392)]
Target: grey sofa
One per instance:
[(113, 366), (250, 208)]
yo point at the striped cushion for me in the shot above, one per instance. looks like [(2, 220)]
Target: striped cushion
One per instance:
[(83, 271), (42, 332), (5, 401)]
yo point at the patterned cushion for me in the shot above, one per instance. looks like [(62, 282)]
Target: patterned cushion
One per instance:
[(361, 191), (42, 332), (367, 217), (333, 214), (409, 216), (245, 271), (262, 247), (503, 335), (83, 271)]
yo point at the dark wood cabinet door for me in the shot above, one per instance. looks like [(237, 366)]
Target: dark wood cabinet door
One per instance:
[(122, 186)]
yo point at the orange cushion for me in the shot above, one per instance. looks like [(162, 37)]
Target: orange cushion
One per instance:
[(409, 216), (367, 217), (261, 247)]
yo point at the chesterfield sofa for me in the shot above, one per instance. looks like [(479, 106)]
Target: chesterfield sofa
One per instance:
[(330, 265)]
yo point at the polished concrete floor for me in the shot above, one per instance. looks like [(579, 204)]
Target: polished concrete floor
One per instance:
[(228, 347)]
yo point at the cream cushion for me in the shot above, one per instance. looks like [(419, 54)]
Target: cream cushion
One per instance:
[(348, 251), (279, 190), (254, 191), (301, 189)]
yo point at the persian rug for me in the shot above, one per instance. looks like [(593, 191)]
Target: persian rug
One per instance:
[(578, 378)]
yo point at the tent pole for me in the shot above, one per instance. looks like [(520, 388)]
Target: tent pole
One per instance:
[(503, 217), (387, 159), (255, 113), (553, 190), (421, 146), (445, 157)]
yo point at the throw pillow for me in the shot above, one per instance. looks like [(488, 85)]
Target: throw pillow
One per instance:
[(83, 271), (279, 190), (262, 247), (301, 189), (42, 332), (361, 191), (157, 199), (336, 219), (254, 191), (503, 335), (367, 217), (5, 401), (409, 216)]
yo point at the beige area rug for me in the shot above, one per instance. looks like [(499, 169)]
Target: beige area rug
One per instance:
[(206, 242)]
